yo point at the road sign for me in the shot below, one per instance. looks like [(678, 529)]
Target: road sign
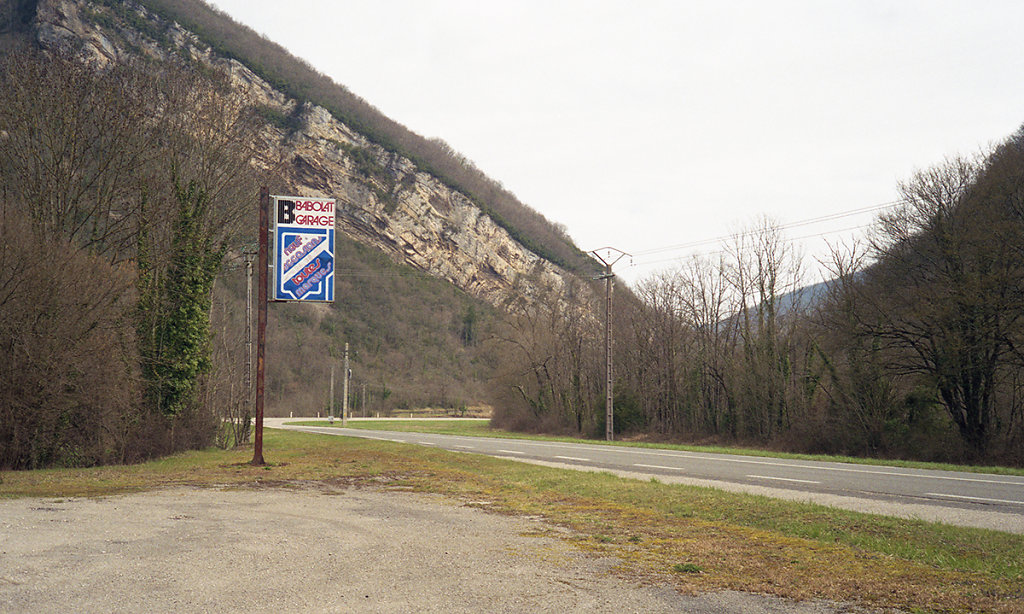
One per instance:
[(303, 248)]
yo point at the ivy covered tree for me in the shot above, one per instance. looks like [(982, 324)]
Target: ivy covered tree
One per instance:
[(177, 353), (201, 190)]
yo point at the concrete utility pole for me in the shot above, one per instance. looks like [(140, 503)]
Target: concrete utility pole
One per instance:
[(330, 410), (344, 390), (610, 256)]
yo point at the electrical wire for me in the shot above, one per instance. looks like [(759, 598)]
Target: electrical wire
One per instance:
[(797, 224), (342, 273), (723, 250)]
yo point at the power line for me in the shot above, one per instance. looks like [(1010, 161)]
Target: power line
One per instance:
[(723, 250), (413, 274), (816, 220)]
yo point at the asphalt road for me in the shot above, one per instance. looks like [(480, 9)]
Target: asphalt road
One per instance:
[(965, 499)]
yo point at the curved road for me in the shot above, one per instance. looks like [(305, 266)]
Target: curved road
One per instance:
[(965, 499)]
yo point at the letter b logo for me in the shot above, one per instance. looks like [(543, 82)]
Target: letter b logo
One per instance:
[(285, 211)]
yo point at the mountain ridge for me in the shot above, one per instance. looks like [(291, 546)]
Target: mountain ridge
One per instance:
[(385, 198)]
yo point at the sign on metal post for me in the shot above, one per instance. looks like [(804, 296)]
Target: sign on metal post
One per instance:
[(303, 248)]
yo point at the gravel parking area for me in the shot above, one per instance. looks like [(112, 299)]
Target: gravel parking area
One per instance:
[(309, 550)]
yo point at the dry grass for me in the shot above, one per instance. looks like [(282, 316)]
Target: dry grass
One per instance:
[(697, 539)]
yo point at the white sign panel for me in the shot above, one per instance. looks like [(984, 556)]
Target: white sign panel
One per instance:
[(303, 248)]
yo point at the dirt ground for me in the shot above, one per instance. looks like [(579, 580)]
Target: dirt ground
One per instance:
[(311, 550)]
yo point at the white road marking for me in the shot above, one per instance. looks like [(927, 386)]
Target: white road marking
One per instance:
[(982, 499), (574, 458), (768, 477), (841, 469), (386, 439), (657, 467), (511, 452)]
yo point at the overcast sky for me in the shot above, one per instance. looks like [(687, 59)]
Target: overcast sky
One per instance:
[(643, 124)]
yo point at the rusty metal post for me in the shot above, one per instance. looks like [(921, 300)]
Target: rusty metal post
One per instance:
[(261, 323)]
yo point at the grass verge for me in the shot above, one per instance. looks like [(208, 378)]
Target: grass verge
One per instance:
[(482, 428), (698, 539)]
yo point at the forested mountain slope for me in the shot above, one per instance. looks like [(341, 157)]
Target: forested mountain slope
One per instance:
[(425, 206)]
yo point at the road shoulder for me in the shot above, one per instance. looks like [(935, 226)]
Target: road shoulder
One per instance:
[(316, 549)]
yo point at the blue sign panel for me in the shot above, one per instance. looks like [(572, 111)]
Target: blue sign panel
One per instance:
[(303, 248)]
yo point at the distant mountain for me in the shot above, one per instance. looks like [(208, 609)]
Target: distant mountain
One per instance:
[(803, 298)]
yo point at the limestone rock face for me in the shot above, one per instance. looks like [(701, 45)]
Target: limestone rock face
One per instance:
[(59, 24), (384, 200)]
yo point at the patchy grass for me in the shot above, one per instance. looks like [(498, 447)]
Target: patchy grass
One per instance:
[(697, 539), (480, 427)]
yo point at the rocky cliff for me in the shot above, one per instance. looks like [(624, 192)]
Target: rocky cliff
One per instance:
[(384, 200)]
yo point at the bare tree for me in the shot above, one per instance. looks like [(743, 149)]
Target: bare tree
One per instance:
[(945, 298), (69, 144), (74, 142), (866, 414), (550, 360), (67, 380), (659, 355), (707, 304), (763, 269)]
